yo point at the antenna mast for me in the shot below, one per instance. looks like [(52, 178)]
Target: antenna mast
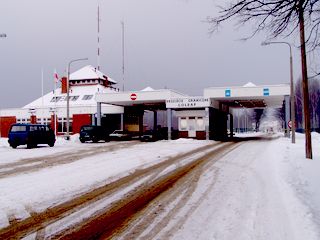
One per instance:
[(122, 23), (98, 43)]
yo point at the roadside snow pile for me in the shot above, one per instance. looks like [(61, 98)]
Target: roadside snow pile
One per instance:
[(304, 174), (249, 134), (10, 155), (60, 140), (4, 142)]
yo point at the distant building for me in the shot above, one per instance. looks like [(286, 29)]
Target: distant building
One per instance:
[(84, 84)]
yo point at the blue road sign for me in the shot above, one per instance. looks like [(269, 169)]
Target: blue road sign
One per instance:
[(266, 92), (227, 93)]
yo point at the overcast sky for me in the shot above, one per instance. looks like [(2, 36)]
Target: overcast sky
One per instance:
[(167, 45)]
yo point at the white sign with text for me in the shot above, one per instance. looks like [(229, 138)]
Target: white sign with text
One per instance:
[(191, 102)]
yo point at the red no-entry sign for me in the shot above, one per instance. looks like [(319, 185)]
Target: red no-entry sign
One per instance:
[(133, 96)]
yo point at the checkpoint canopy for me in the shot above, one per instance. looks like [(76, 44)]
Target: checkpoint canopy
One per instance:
[(248, 96), (148, 98)]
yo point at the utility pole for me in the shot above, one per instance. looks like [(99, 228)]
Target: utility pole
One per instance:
[(305, 89)]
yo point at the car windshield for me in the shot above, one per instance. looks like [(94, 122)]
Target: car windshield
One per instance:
[(118, 131), (87, 128), (19, 128)]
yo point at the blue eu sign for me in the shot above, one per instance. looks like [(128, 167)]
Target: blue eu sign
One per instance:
[(227, 93), (266, 92)]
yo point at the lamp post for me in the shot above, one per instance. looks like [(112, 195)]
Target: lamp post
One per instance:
[(67, 136), (292, 98)]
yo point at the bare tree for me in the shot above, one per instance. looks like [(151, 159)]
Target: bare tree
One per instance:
[(257, 116), (299, 104), (314, 103), (280, 17), (314, 95)]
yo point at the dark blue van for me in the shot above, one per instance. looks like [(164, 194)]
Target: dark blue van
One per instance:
[(30, 135)]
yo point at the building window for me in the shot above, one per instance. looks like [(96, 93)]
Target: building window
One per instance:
[(183, 124), (23, 120), (74, 98), (200, 124), (46, 121), (62, 125), (87, 97), (56, 99), (71, 98)]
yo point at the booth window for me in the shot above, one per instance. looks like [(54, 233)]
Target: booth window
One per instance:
[(200, 124), (183, 124)]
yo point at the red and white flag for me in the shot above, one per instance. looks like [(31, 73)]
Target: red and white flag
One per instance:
[(56, 77)]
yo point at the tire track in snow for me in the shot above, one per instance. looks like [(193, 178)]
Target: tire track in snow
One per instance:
[(38, 221), (145, 225), (35, 164)]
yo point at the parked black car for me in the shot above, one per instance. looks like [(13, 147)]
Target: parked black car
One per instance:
[(30, 134), (93, 133), (150, 136)]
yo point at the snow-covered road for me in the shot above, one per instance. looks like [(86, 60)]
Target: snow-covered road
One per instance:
[(259, 190), (244, 195)]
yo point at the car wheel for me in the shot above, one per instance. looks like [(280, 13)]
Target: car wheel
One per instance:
[(51, 144), (82, 140), (95, 140), (29, 145), (13, 145)]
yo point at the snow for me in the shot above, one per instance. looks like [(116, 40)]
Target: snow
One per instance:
[(147, 89), (68, 180), (260, 190), (10, 155), (80, 91), (89, 72), (257, 197), (249, 84)]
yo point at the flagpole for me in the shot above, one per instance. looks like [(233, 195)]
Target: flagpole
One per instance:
[(42, 86), (42, 104), (55, 103)]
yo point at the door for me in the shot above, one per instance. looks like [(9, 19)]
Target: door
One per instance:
[(192, 127)]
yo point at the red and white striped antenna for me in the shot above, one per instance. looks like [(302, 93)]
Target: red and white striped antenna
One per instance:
[(123, 73)]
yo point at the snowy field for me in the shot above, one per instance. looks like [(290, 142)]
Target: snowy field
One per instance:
[(263, 190)]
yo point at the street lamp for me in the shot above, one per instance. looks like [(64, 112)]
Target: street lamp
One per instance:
[(292, 98), (67, 137)]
